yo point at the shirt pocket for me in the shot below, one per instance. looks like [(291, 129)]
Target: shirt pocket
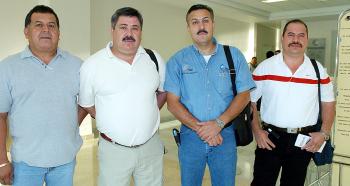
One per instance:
[(224, 85), (190, 76)]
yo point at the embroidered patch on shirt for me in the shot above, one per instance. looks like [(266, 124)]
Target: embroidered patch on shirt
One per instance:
[(187, 69)]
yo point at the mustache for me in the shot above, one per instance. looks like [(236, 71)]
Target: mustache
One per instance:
[(295, 43), (129, 38), (200, 31), (45, 35)]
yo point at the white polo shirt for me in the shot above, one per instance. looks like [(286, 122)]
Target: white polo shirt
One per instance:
[(124, 95), (290, 100)]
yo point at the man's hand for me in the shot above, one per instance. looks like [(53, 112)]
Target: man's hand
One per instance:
[(217, 140), (208, 130), (6, 174), (316, 141), (262, 139)]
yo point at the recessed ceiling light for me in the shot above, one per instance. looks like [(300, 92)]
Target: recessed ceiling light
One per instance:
[(272, 1)]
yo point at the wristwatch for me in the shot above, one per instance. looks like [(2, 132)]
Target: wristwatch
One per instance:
[(325, 135), (219, 123)]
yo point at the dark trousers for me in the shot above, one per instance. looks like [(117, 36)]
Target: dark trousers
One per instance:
[(291, 159)]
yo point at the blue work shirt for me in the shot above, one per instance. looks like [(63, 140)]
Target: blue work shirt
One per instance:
[(205, 89)]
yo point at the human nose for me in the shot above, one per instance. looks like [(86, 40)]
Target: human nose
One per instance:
[(45, 28), (201, 24), (295, 38), (128, 31)]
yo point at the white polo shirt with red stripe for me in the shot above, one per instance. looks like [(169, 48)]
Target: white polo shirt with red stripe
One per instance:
[(290, 100)]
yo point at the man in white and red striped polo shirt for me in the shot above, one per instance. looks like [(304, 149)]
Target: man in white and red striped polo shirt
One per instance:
[(288, 84)]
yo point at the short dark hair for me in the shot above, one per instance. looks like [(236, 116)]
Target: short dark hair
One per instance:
[(200, 7), (126, 11), (40, 9), (269, 54), (295, 21)]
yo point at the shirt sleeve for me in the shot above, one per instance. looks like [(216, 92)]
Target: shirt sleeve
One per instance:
[(162, 69), (173, 77), (327, 92), (244, 80), (5, 93), (257, 92), (86, 93)]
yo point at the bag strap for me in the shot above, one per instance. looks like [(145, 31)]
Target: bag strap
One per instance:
[(231, 68), (153, 57), (319, 119)]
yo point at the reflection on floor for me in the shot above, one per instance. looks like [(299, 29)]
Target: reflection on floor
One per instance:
[(87, 167)]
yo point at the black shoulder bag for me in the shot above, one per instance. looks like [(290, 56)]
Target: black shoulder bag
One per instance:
[(153, 57), (326, 156), (242, 123)]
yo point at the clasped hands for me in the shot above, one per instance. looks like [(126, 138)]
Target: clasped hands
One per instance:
[(209, 132)]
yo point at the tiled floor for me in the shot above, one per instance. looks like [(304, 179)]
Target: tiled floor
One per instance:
[(87, 167)]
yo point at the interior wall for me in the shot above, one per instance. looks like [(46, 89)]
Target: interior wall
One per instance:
[(265, 41), (75, 25), (325, 29), (12, 14)]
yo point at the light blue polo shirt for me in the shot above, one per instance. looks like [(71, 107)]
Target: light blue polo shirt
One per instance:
[(205, 89), (41, 101)]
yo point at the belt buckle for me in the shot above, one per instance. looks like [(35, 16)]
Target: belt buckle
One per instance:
[(292, 130)]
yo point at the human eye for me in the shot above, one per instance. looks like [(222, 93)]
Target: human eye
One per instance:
[(51, 26), (38, 25), (122, 27), (195, 22), (301, 35), (290, 34), (135, 28), (205, 20)]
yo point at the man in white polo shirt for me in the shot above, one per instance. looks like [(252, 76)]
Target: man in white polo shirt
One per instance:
[(288, 84), (121, 87)]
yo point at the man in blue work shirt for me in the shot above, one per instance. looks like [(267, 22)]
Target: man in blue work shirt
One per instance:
[(200, 96)]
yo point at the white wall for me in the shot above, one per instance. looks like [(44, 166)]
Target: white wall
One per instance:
[(75, 25), (325, 29), (12, 14), (266, 40)]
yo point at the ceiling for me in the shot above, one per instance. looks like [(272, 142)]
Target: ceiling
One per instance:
[(280, 10), (257, 11)]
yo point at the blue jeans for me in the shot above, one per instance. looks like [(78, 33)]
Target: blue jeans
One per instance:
[(25, 175), (194, 154)]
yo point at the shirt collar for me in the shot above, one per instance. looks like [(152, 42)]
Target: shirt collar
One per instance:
[(215, 50), (27, 53), (139, 51)]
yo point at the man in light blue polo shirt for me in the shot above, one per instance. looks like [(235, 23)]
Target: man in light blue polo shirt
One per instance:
[(200, 96), (38, 103)]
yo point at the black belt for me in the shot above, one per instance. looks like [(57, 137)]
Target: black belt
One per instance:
[(105, 137), (303, 130)]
